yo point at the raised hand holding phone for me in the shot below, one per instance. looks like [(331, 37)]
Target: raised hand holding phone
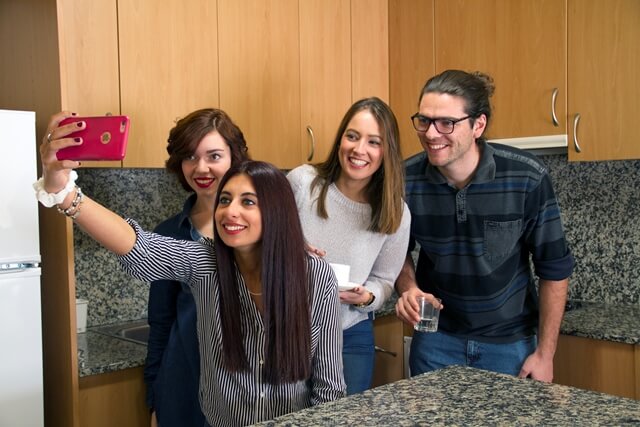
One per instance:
[(103, 138)]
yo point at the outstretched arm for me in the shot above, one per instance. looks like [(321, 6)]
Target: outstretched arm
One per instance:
[(103, 225)]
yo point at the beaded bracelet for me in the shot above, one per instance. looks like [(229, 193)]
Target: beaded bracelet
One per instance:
[(74, 209)]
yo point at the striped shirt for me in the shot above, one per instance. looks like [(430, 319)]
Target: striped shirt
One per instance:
[(476, 243), (242, 398)]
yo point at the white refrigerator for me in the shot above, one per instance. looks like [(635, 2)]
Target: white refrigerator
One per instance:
[(21, 390)]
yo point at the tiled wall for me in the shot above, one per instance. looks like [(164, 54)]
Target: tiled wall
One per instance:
[(147, 195), (600, 203)]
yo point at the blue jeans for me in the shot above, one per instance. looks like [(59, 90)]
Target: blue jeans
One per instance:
[(435, 350), (358, 355)]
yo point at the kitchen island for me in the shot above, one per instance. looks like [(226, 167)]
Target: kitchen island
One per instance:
[(466, 396)]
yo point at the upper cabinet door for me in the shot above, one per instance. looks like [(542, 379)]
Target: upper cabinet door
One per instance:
[(411, 63), (260, 76), (88, 43), (88, 49), (168, 68), (325, 73), (604, 87), (370, 49), (522, 45)]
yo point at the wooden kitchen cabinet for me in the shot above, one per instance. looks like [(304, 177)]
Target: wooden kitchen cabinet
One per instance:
[(154, 64), (114, 399), (411, 63), (369, 49), (168, 68), (325, 74), (63, 55), (389, 332), (288, 82), (522, 45), (60, 55), (341, 42), (260, 75), (604, 88), (604, 366), (584, 51)]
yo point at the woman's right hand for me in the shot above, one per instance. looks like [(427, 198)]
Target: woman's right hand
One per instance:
[(56, 172), (104, 226)]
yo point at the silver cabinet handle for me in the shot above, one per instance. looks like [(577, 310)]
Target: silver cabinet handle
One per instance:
[(554, 97), (576, 120), (382, 350), (313, 143)]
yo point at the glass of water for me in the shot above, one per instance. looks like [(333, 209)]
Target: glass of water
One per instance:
[(429, 315)]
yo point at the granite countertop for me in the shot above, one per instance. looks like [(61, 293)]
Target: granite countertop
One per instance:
[(466, 396), (99, 353), (608, 322), (389, 306)]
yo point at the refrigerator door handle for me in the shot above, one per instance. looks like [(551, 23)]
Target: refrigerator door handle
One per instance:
[(15, 267)]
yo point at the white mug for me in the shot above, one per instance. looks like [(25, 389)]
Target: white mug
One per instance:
[(342, 272)]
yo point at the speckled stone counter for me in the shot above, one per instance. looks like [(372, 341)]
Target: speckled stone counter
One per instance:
[(389, 306), (465, 396), (100, 354), (618, 323), (608, 322)]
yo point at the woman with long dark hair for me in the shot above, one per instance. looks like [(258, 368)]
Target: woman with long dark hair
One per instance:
[(267, 311)]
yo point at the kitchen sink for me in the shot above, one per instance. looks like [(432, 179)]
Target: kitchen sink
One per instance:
[(137, 331)]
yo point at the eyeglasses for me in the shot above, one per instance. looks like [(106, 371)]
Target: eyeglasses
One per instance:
[(444, 126)]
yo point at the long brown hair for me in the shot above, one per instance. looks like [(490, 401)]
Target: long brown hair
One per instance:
[(385, 190), (185, 136), (286, 289)]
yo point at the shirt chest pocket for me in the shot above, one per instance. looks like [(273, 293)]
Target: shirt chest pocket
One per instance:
[(500, 237)]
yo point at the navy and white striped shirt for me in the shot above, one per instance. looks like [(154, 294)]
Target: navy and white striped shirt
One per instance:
[(242, 398), (476, 242)]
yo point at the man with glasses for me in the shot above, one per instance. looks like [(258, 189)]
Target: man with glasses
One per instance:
[(481, 212)]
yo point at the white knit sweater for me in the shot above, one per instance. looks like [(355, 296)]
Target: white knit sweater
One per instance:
[(375, 258)]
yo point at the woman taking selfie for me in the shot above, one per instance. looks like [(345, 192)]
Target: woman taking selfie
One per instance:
[(267, 312)]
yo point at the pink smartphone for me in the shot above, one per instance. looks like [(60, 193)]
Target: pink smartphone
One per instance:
[(104, 138)]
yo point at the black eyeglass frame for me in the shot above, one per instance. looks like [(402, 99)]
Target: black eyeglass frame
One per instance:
[(433, 122)]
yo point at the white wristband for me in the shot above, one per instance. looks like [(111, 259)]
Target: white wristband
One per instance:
[(52, 199)]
